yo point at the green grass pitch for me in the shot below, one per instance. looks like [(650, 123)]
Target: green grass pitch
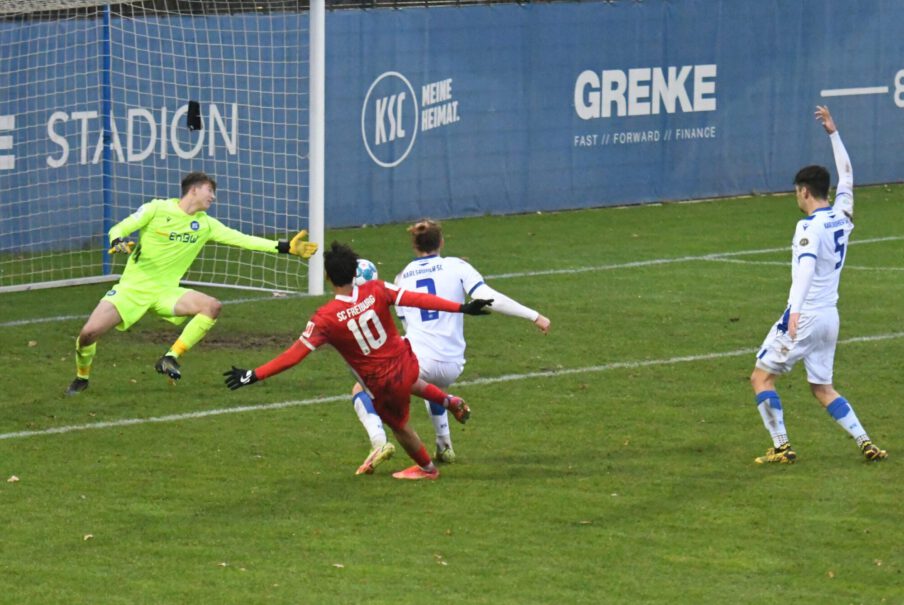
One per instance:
[(608, 462)]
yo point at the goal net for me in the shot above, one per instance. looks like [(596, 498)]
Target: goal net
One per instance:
[(107, 107)]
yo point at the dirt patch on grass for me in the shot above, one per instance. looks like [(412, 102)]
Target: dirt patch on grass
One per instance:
[(218, 339)]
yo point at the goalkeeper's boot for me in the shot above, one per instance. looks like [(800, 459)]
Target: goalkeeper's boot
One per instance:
[(377, 456), (871, 452), (415, 472), (782, 455), (169, 366), (444, 453), (77, 386), (458, 408)]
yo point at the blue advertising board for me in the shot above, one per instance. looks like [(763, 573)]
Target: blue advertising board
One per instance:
[(459, 111), (547, 106)]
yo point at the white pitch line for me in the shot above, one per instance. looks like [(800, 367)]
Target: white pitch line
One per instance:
[(617, 365), (849, 92), (741, 261), (770, 263), (859, 268), (39, 320), (680, 259), (570, 271)]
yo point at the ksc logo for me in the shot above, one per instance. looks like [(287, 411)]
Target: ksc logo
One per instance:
[(389, 119)]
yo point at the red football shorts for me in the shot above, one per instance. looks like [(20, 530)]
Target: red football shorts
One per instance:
[(392, 391)]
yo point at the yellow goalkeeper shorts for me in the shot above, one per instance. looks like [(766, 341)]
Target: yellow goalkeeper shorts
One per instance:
[(132, 303)]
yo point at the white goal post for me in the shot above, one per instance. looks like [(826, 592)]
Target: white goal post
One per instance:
[(108, 106)]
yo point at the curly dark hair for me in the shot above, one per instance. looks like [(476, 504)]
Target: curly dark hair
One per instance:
[(340, 263)]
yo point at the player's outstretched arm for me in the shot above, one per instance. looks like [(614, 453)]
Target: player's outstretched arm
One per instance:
[(476, 306), (542, 324), (297, 246), (508, 306), (422, 300), (238, 377)]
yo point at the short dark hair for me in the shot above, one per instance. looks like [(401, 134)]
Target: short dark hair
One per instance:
[(193, 179), (426, 235), (814, 178), (340, 263)]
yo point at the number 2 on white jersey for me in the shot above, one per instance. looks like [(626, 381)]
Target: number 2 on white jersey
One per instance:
[(368, 331), (430, 286)]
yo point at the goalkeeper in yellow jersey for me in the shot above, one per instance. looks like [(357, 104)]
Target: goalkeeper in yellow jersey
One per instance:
[(171, 235)]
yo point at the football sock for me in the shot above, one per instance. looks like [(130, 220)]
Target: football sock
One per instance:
[(84, 356), (844, 415), (440, 419), (364, 407), (194, 331), (434, 394), (769, 405), (423, 459)]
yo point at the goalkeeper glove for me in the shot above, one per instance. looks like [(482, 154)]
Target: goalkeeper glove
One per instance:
[(476, 306), (237, 378), (121, 245), (297, 245)]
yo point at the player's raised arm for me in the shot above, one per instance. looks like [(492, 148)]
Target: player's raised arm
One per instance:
[(844, 192)]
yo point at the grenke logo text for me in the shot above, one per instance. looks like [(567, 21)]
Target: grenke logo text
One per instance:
[(645, 91)]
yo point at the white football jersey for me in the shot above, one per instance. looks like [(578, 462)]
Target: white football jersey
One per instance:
[(437, 334), (823, 235)]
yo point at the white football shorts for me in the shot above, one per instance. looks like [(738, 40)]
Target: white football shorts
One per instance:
[(817, 335), (440, 373)]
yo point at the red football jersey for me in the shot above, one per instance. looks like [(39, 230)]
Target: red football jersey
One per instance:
[(361, 329)]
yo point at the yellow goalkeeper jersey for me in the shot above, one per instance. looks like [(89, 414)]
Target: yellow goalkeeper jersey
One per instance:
[(170, 240)]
